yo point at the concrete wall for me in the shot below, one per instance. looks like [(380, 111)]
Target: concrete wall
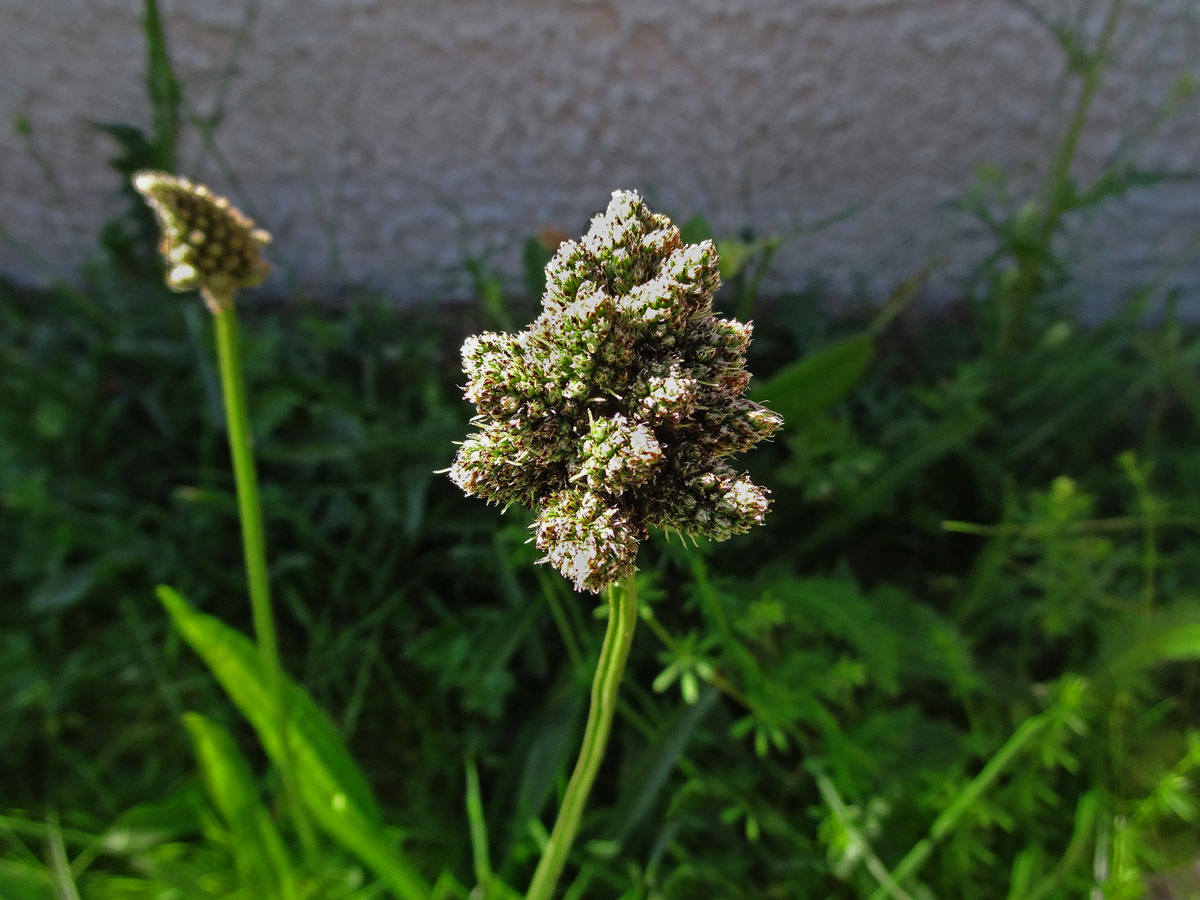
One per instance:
[(381, 141)]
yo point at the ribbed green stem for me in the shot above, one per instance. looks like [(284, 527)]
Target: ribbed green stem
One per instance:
[(237, 424), (622, 617)]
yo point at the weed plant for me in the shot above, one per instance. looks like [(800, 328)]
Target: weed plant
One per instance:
[(960, 660)]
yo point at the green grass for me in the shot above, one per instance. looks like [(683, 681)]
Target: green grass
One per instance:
[(991, 701), (959, 661)]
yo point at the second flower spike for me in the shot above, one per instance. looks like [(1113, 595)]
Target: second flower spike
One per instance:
[(207, 243)]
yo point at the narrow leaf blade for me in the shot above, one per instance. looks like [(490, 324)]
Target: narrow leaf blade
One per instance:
[(261, 857), (330, 783)]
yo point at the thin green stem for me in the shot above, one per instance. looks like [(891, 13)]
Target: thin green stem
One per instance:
[(60, 869), (622, 618), (237, 419), (833, 799), (1081, 526), (945, 822)]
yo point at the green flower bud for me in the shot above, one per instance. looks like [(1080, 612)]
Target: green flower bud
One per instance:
[(207, 243)]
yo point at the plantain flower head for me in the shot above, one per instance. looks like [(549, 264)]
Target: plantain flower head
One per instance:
[(619, 407), (207, 243)]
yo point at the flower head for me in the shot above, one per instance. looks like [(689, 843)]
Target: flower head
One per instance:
[(207, 243), (617, 408)]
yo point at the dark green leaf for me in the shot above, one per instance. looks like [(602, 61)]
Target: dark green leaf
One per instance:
[(813, 384)]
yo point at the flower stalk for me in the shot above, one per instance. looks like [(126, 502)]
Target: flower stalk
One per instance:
[(614, 652), (254, 545), (210, 246)]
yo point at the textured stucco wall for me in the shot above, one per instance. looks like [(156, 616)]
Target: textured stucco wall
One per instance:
[(381, 140)]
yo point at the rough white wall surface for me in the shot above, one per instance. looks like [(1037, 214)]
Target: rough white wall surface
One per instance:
[(382, 141)]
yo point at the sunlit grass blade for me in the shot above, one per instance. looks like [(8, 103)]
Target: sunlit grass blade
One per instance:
[(490, 887), (478, 824), (330, 784), (162, 88), (259, 851), (25, 881), (837, 807)]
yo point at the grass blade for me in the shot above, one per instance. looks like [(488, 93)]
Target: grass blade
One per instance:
[(330, 784), (479, 838), (23, 881), (262, 860)]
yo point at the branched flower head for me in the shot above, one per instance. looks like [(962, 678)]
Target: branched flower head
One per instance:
[(207, 243), (619, 406)]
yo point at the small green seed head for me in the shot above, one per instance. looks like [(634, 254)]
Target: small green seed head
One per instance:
[(207, 243)]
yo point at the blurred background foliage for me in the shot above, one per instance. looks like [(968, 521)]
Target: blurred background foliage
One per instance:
[(959, 661)]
